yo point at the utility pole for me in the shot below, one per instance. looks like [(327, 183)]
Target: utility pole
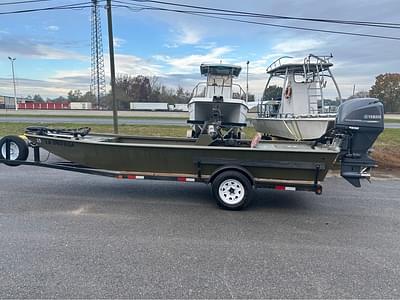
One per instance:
[(112, 66), (247, 82), (12, 59)]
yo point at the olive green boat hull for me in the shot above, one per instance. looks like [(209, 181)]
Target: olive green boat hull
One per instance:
[(270, 160)]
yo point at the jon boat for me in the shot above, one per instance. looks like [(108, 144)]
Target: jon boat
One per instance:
[(161, 155)]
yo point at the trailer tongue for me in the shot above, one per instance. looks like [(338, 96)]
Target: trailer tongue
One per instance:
[(233, 167)]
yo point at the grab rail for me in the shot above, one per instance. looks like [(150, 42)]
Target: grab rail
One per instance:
[(276, 63), (200, 90)]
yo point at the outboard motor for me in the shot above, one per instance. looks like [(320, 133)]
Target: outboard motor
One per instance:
[(359, 121)]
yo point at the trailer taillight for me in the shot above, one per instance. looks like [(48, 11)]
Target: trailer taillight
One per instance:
[(285, 188)]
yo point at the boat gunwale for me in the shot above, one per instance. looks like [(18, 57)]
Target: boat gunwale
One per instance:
[(295, 118), (227, 101), (192, 147)]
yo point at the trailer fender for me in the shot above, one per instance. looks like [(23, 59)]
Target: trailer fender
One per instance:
[(239, 169)]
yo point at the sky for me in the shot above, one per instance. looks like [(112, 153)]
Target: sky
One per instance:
[(52, 48)]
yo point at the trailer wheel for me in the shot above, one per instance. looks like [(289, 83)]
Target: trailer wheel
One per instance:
[(232, 190), (18, 149)]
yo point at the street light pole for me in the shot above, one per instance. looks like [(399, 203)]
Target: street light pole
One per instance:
[(12, 59)]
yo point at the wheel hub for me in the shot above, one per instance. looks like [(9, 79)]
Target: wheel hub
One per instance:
[(231, 191), (14, 151)]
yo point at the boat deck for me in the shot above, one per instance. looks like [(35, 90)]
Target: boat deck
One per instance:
[(281, 146)]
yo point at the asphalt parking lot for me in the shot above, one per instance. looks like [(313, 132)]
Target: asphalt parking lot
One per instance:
[(80, 236)]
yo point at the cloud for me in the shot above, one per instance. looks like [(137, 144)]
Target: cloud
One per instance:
[(191, 63), (134, 65), (46, 52), (30, 49), (172, 71), (297, 45), (118, 42), (53, 28), (171, 46), (188, 36), (68, 79), (72, 78), (207, 46), (45, 88), (124, 64)]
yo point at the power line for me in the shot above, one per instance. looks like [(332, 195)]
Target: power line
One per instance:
[(61, 7), (355, 23), (216, 16), (336, 21), (304, 28), (24, 2), (221, 14)]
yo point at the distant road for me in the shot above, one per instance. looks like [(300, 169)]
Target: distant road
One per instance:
[(392, 125), (392, 116)]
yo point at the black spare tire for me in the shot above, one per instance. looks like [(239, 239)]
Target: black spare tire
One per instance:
[(18, 149)]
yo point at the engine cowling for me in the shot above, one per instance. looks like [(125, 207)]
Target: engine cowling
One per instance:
[(360, 121)]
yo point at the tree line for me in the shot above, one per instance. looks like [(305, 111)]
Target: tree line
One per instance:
[(387, 89), (127, 89), (143, 89), (134, 89), (149, 89)]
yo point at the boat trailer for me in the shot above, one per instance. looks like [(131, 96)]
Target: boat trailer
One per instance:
[(233, 171)]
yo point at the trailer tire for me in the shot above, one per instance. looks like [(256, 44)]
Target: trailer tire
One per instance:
[(232, 190), (18, 149)]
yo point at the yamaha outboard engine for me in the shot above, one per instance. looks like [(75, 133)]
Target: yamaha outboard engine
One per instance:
[(359, 121)]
